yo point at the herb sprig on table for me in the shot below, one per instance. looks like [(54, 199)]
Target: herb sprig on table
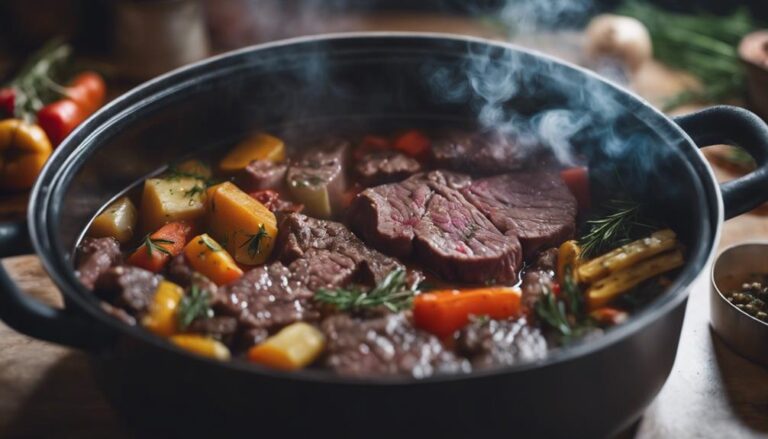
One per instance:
[(392, 292), (703, 44)]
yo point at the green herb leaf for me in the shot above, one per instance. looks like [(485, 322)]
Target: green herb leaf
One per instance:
[(254, 241), (619, 224), (154, 245), (210, 243), (193, 306), (392, 292)]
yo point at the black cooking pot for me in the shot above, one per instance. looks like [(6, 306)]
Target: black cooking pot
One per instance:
[(300, 87)]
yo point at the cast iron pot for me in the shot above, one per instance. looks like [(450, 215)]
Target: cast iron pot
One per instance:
[(589, 389)]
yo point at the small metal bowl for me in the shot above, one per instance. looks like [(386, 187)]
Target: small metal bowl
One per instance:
[(745, 334)]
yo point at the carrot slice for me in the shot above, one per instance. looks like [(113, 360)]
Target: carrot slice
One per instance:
[(208, 257), (445, 311), (159, 247)]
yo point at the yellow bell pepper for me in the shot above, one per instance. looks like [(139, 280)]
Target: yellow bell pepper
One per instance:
[(294, 347), (161, 318), (246, 226), (24, 149), (257, 147), (207, 257), (202, 345)]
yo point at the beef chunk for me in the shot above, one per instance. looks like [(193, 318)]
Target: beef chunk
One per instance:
[(385, 166), (95, 256), (272, 201), (219, 327), (537, 207), (387, 345), (539, 277), (320, 171), (128, 287), (501, 343), (180, 272), (488, 152), (428, 218), (327, 246), (262, 174)]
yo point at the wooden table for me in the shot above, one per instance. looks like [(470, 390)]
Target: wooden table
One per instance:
[(711, 392)]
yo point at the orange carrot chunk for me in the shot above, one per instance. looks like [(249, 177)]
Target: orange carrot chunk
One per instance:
[(445, 311), (414, 143), (159, 247)]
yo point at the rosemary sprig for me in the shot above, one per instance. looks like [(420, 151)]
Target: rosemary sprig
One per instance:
[(208, 242), (154, 245), (619, 224), (565, 314), (34, 83), (193, 306), (392, 292), (254, 241)]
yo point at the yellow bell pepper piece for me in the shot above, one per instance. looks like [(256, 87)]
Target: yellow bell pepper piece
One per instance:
[(118, 220), (161, 318), (568, 257), (257, 147), (294, 347), (201, 345), (24, 149), (207, 257), (246, 226)]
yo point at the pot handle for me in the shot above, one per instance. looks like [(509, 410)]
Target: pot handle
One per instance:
[(734, 126), (30, 317)]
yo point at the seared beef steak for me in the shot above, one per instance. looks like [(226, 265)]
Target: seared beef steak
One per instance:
[(385, 166), (501, 343), (427, 217), (537, 207), (489, 152), (387, 345), (95, 256)]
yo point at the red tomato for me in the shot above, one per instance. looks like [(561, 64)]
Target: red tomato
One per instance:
[(577, 180), (7, 102), (88, 90), (59, 118)]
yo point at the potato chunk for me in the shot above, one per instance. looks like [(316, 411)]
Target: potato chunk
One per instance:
[(167, 200), (257, 147), (245, 227), (118, 220)]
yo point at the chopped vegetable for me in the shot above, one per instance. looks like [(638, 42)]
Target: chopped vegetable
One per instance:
[(118, 221), (626, 256), (609, 288), (618, 37), (208, 258), (577, 180), (246, 226), (161, 318), (191, 168), (193, 306), (294, 347), (568, 258), (171, 199), (158, 248), (443, 312), (205, 346), (260, 146), (414, 143), (24, 149), (393, 292)]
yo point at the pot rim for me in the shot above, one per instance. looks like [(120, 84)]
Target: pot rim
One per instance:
[(69, 154)]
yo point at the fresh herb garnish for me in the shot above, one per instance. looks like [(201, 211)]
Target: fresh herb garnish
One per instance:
[(154, 245), (619, 224), (254, 241), (193, 306), (208, 242), (194, 190), (566, 314), (392, 292)]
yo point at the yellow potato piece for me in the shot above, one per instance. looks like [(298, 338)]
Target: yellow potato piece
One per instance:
[(260, 146), (245, 227), (294, 347), (118, 220), (165, 200), (161, 318), (201, 345)]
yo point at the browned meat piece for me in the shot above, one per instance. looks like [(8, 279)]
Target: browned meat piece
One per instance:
[(219, 327), (489, 152), (427, 218), (385, 166), (500, 343), (130, 288), (320, 169), (329, 243), (539, 277), (537, 207), (387, 345), (262, 174), (95, 256), (272, 201)]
